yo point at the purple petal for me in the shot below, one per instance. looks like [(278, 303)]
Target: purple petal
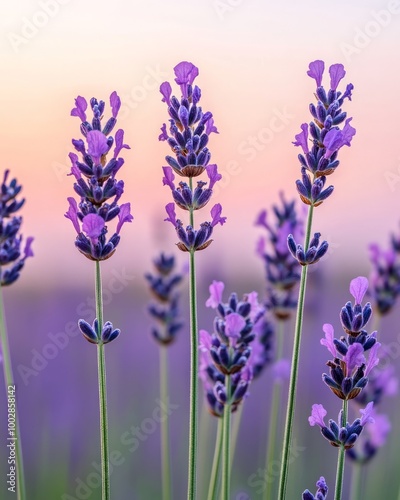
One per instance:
[(257, 309), (373, 359), (216, 215), (92, 226), (74, 169), (216, 290), (316, 70), (318, 413), (348, 132), (234, 324), (358, 288), (210, 127), (367, 413), (166, 91), (185, 73), (163, 136), (328, 340), (115, 103), (302, 138), (170, 209), (124, 215), (354, 357), (28, 250), (168, 179), (97, 145), (72, 214), (262, 220), (332, 142), (81, 106), (213, 175), (119, 142), (204, 340), (337, 72)]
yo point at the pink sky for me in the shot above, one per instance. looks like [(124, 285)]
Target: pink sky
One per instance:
[(253, 59)]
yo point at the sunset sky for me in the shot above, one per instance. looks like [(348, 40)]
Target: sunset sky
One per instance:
[(253, 57)]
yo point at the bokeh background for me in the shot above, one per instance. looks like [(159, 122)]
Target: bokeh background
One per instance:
[(253, 56)]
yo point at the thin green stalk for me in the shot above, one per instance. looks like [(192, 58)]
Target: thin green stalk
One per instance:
[(193, 423), (165, 454), (226, 439), (9, 382), (101, 365), (341, 458), (204, 451), (355, 489), (274, 414), (294, 368), (213, 486)]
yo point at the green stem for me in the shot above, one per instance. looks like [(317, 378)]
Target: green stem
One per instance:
[(166, 467), (274, 414), (213, 487), (226, 449), (294, 368), (341, 458), (9, 381), (101, 365), (355, 490), (193, 417)]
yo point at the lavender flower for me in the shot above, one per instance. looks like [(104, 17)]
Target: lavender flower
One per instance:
[(166, 310), (385, 276), (188, 137), (12, 257), (321, 493), (338, 436), (354, 318), (227, 351), (314, 252), (95, 180), (282, 272), (90, 332)]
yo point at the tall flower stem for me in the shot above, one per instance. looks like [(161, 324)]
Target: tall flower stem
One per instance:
[(235, 429), (294, 368), (101, 365), (274, 414), (341, 458), (194, 362), (166, 466), (213, 486), (9, 381), (226, 449)]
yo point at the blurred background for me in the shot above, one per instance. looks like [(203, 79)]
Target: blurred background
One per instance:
[(253, 57)]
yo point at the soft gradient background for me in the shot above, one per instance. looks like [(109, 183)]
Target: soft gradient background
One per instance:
[(253, 56)]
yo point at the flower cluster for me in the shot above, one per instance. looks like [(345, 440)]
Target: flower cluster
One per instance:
[(385, 275), (188, 136), (325, 134), (282, 271), (12, 258), (227, 351), (349, 369), (95, 180), (166, 311), (94, 335), (336, 433), (321, 493), (321, 141)]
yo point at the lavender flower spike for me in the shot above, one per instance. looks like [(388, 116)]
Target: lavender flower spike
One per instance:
[(12, 257), (354, 318), (321, 493), (95, 180)]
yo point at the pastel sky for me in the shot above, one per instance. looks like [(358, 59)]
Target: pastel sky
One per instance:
[(253, 56)]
